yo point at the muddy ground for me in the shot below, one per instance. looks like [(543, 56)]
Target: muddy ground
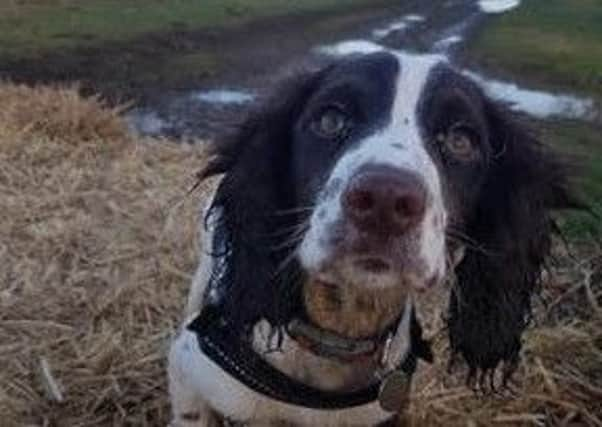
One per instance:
[(156, 71), (182, 59)]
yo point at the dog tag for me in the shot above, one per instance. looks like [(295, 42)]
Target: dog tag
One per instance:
[(393, 393)]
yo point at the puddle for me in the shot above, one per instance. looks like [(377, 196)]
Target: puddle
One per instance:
[(349, 47), (225, 97), (146, 123), (414, 18), (537, 103), (227, 101), (384, 32), (498, 6), (446, 43), (400, 25)]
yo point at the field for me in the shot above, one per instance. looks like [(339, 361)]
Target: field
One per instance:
[(136, 48), (33, 27), (557, 46), (98, 236), (554, 43)]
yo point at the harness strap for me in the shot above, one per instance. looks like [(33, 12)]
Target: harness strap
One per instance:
[(236, 356)]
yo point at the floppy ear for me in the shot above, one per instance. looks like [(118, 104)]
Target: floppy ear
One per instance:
[(255, 187), (490, 303)]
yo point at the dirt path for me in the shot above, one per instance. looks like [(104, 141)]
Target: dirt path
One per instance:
[(208, 106), (200, 83), (161, 73), (180, 58)]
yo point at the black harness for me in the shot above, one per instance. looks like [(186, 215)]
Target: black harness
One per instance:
[(236, 356)]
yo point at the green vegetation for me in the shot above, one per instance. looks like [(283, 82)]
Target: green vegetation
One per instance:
[(555, 42), (582, 143), (30, 27)]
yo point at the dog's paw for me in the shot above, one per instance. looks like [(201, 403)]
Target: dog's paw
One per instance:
[(195, 419)]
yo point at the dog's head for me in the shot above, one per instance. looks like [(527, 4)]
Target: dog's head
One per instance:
[(377, 175)]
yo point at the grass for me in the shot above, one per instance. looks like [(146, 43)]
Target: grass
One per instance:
[(132, 49), (582, 143), (557, 43), (98, 248), (29, 28)]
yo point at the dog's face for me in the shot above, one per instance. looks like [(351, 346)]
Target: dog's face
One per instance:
[(364, 176), (388, 150)]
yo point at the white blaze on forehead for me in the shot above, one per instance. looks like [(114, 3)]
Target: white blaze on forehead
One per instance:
[(398, 144)]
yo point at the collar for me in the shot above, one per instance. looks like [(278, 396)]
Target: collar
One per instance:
[(327, 344), (236, 357)]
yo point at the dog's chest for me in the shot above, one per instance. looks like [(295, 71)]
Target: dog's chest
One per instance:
[(308, 368), (238, 403)]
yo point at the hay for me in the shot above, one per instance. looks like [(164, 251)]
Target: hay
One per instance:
[(97, 248)]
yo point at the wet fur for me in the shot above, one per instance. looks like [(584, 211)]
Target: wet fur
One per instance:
[(490, 303)]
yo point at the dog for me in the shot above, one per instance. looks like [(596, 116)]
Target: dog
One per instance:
[(353, 190)]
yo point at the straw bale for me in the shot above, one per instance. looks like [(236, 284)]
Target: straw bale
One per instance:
[(97, 248)]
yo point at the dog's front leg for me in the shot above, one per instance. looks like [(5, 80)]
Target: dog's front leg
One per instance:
[(200, 418), (189, 409)]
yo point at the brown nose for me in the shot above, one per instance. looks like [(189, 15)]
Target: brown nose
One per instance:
[(383, 200)]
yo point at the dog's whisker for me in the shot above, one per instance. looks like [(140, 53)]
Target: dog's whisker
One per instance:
[(297, 210), (292, 229), (293, 241), (461, 238), (457, 233), (460, 241), (285, 263)]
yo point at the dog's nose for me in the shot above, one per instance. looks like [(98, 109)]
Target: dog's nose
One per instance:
[(384, 200)]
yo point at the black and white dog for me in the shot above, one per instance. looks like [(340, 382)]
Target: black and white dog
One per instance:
[(353, 190)]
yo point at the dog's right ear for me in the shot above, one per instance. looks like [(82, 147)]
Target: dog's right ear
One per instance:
[(255, 162)]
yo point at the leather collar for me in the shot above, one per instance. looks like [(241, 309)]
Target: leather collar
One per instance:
[(328, 344)]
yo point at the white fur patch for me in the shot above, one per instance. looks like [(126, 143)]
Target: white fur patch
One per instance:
[(206, 263), (398, 144)]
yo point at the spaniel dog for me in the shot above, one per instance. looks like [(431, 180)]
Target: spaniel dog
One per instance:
[(352, 191)]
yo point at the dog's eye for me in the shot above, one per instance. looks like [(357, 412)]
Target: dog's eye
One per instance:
[(331, 123), (460, 141)]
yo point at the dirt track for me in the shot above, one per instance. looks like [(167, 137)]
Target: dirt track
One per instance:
[(183, 58), (157, 71), (259, 59)]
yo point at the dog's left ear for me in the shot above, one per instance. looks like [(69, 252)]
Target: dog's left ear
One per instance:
[(490, 303), (266, 123)]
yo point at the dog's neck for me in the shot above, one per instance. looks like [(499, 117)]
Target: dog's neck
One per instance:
[(327, 373)]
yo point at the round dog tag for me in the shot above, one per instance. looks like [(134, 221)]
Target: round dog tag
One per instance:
[(394, 391)]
